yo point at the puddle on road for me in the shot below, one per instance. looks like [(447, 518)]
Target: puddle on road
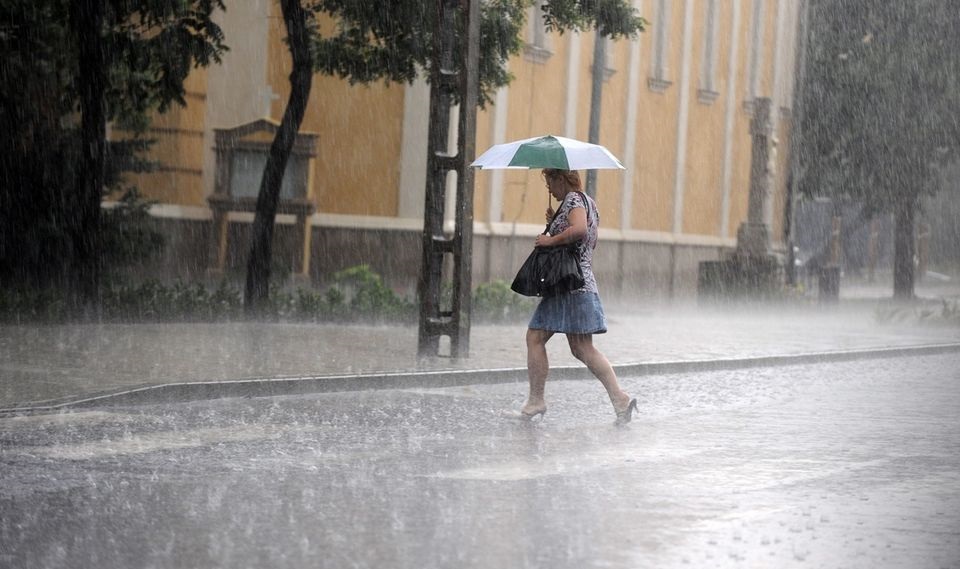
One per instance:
[(65, 419), (161, 441), (574, 463)]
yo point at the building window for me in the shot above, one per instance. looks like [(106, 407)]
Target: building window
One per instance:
[(537, 47), (708, 87), (659, 74)]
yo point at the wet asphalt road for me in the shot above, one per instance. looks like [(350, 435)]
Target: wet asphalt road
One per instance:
[(832, 465)]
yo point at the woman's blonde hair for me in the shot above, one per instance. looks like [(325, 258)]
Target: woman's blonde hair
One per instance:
[(570, 177)]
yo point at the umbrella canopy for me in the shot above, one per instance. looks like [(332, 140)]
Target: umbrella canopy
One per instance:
[(548, 152)]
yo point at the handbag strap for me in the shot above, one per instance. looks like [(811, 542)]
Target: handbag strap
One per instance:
[(586, 203)]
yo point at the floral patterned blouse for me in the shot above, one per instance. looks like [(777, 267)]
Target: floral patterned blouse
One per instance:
[(561, 222)]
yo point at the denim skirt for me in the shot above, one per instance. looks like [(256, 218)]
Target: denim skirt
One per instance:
[(570, 313)]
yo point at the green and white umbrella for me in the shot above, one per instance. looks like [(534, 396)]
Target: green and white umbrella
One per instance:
[(548, 152)]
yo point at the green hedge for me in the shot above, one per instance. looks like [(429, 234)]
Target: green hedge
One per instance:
[(495, 302), (355, 294)]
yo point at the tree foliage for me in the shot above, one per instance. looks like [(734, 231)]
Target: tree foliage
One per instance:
[(881, 99), (880, 107), (372, 41), (148, 48), (393, 41)]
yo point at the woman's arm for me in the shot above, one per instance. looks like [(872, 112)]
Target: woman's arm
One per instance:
[(577, 217)]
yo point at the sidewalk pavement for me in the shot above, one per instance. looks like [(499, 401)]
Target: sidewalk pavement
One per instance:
[(49, 365)]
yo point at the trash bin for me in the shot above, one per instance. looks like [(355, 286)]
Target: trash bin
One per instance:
[(829, 285)]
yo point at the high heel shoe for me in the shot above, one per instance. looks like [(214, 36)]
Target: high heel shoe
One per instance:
[(522, 415), (625, 416)]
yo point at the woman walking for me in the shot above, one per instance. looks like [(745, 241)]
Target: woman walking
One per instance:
[(577, 314)]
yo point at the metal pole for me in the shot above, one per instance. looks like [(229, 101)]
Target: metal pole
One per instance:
[(799, 84)]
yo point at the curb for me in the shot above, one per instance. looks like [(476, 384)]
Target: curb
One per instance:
[(268, 387)]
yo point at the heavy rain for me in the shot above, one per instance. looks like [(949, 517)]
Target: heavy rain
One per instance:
[(260, 263)]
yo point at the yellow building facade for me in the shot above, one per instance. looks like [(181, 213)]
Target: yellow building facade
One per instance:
[(676, 109)]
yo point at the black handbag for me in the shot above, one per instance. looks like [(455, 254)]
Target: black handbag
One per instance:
[(549, 271)]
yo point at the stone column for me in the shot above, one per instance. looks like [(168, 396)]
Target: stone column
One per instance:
[(753, 237)]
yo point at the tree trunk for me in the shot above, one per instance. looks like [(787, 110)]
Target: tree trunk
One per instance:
[(904, 250), (301, 78), (87, 23), (596, 99)]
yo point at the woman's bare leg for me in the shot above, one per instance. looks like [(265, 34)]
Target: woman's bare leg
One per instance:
[(581, 345), (537, 368)]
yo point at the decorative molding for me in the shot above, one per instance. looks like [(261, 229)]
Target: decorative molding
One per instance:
[(173, 211), (378, 223), (665, 238), (508, 229), (226, 203), (609, 51), (178, 170), (536, 54), (248, 216), (175, 131), (370, 222), (706, 96), (615, 235), (228, 138), (658, 85), (607, 73)]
